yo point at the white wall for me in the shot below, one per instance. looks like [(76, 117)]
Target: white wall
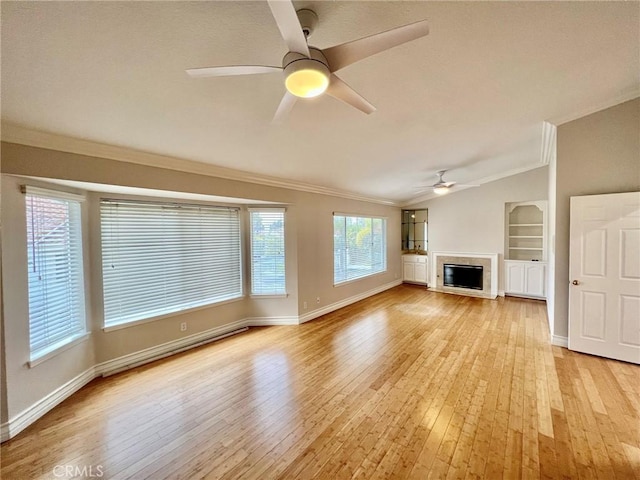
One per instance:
[(472, 220), (597, 154), (309, 261)]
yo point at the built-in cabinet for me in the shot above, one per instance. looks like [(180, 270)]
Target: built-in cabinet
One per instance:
[(525, 278), (415, 268), (525, 249)]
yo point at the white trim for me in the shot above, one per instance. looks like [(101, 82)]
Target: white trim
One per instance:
[(46, 192), (21, 421), (548, 149), (347, 301), (632, 93), (271, 321), (267, 209), (169, 348), (12, 133), (559, 341), (29, 415), (59, 348), (480, 182), (134, 323), (493, 257)]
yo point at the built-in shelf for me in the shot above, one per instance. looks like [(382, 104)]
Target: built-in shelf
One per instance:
[(525, 231)]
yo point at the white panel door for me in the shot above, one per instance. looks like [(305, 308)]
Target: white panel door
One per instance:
[(604, 269)]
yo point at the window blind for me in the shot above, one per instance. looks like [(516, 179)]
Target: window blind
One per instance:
[(267, 252), (160, 258), (55, 269), (359, 247)]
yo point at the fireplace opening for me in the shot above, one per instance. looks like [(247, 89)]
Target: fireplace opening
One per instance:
[(463, 276)]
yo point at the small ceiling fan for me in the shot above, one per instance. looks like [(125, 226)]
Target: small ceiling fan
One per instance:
[(441, 187), (309, 71)]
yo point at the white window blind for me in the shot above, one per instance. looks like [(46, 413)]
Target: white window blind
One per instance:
[(359, 247), (55, 272), (160, 258), (267, 252)]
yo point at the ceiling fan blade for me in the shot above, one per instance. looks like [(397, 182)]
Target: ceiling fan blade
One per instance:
[(231, 70), (285, 15), (286, 104), (345, 54), (340, 90)]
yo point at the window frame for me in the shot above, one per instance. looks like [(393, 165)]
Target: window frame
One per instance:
[(279, 294), (76, 234), (162, 202), (371, 218)]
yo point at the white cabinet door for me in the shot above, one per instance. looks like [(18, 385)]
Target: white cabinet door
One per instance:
[(515, 278), (420, 272), (604, 269), (534, 280), (409, 271)]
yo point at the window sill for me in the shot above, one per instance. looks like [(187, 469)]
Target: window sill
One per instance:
[(269, 295), (135, 323), (351, 280), (58, 349)]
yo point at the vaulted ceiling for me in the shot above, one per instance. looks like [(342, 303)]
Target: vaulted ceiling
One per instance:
[(470, 97)]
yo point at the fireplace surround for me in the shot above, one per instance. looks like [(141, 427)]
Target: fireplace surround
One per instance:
[(488, 262)]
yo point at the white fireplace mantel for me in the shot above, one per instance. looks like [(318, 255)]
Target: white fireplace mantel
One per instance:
[(492, 257)]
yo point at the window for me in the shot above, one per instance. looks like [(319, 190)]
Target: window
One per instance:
[(267, 252), (160, 258), (55, 270), (359, 247)]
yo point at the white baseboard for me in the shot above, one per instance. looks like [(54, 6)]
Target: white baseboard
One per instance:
[(25, 418), (271, 321), (559, 341), (21, 421), (165, 349), (347, 301)]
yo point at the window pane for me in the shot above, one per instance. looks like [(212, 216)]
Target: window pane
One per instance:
[(55, 276), (159, 258), (267, 252), (359, 247)]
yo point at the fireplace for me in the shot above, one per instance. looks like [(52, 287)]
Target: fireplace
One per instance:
[(463, 276), (471, 274)]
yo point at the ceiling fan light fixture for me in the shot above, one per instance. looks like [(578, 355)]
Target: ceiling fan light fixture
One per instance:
[(306, 78), (440, 189)]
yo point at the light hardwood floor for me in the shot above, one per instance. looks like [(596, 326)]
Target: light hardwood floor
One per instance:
[(405, 384)]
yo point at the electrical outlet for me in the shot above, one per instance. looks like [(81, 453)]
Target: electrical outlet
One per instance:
[(183, 327), (318, 300), (304, 305)]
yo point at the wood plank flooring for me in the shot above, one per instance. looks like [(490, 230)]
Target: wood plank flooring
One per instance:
[(405, 384)]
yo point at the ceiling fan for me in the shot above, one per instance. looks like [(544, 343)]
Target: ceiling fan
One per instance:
[(441, 187), (309, 71)]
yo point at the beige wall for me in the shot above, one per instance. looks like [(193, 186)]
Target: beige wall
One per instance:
[(472, 220), (309, 260), (597, 154)]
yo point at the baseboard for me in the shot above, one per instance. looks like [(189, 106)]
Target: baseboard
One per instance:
[(270, 321), (559, 341), (25, 418), (21, 421), (157, 352), (347, 301)]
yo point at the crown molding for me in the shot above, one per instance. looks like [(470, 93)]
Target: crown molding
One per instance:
[(623, 97), (482, 181), (13, 133), (548, 150)]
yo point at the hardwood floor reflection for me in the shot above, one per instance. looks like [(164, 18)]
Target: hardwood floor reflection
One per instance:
[(405, 384)]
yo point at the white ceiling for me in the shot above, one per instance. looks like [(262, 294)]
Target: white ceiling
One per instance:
[(470, 97)]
